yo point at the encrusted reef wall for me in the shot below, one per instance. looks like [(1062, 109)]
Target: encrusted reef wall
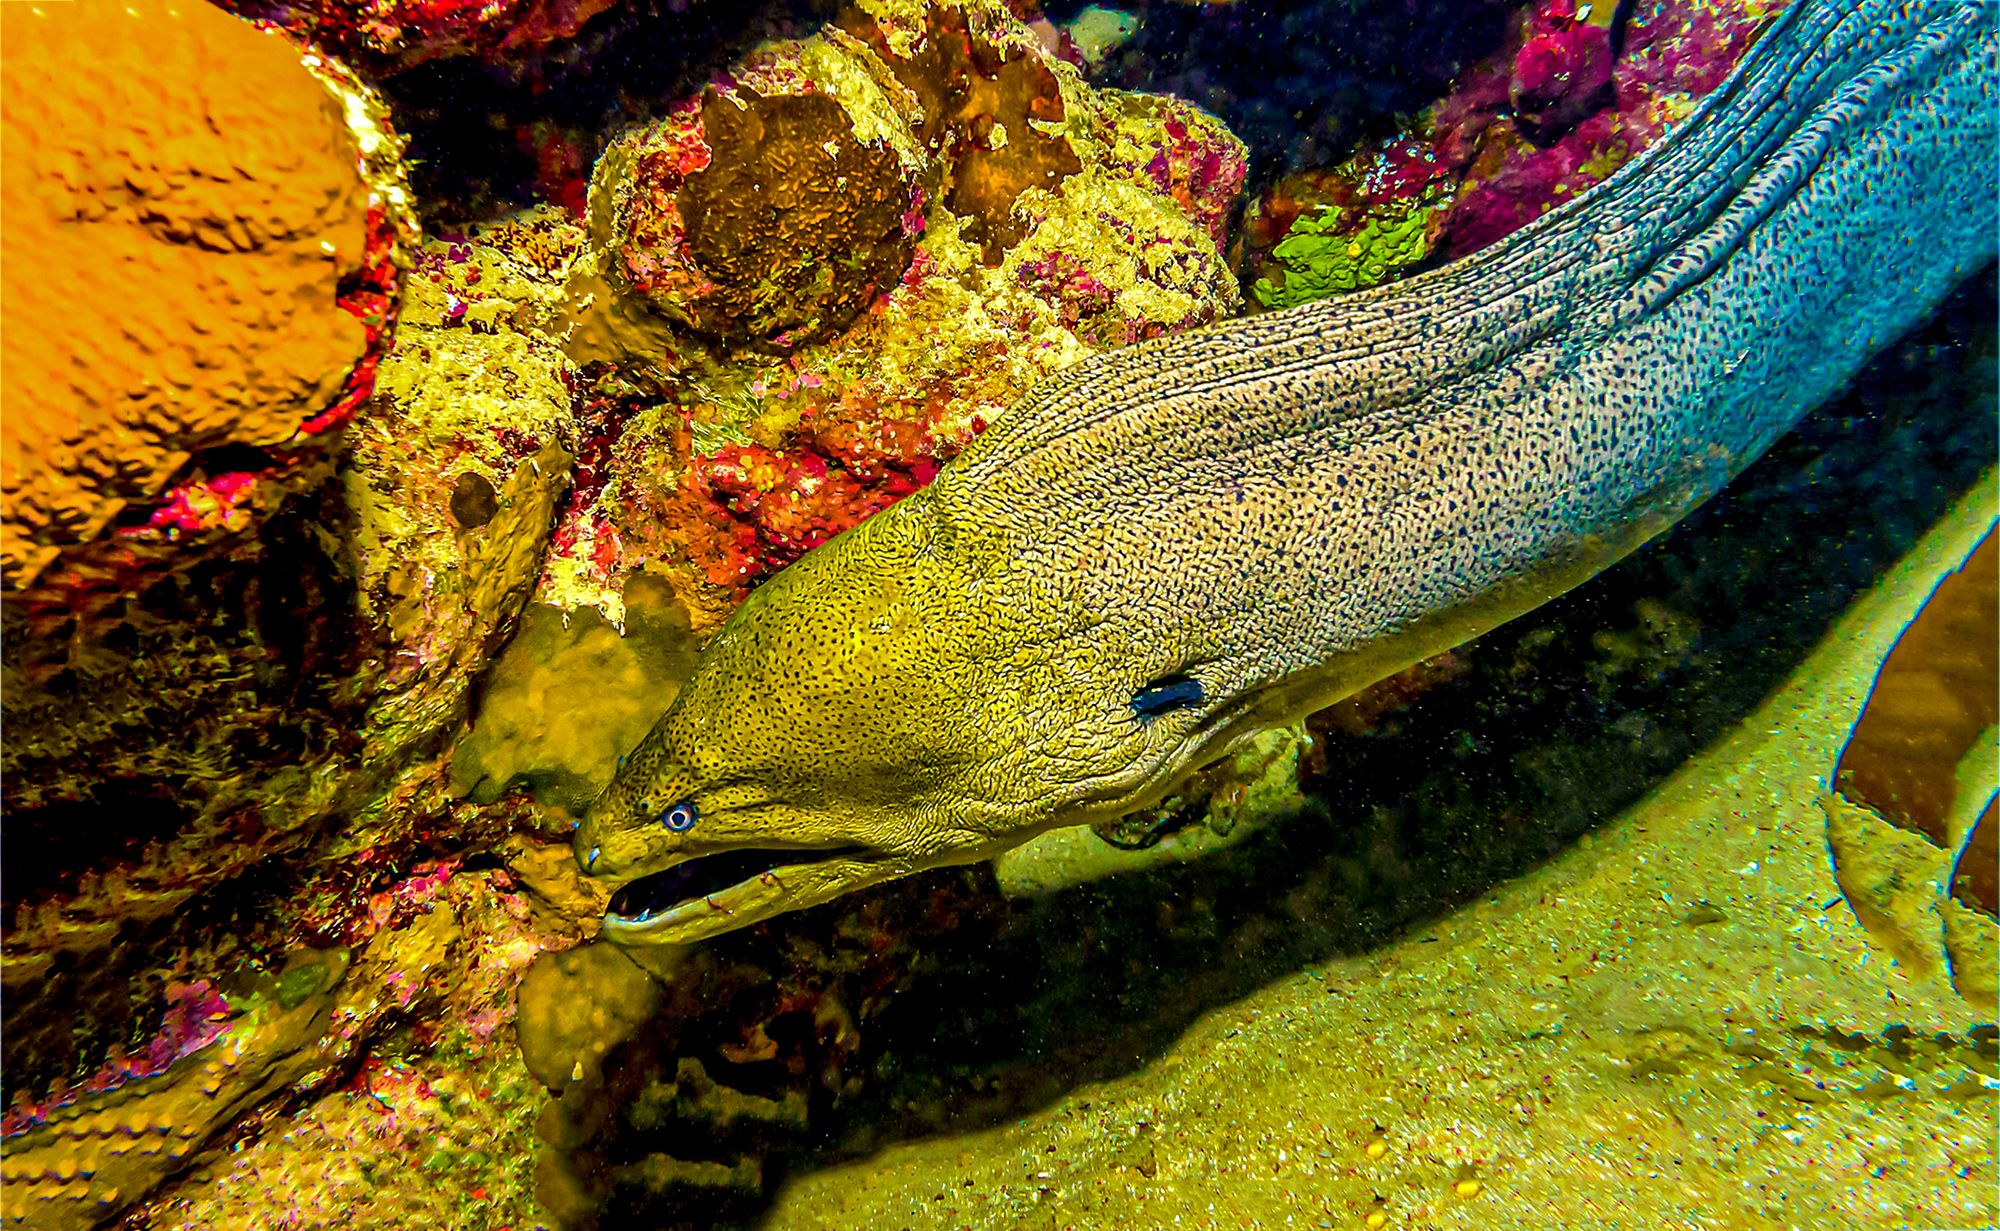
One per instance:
[(1574, 93), (947, 214), (287, 798)]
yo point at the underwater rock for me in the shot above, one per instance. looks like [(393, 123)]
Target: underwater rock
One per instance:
[(1089, 38), (391, 35), (576, 1006), (763, 396), (179, 173), (459, 465), (767, 212), (558, 666), (1567, 101), (430, 1129), (1562, 74), (1909, 819), (255, 736), (192, 331)]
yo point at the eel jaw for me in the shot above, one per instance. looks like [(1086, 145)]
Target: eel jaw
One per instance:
[(712, 894)]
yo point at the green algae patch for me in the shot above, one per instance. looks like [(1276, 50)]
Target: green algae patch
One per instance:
[(1322, 255)]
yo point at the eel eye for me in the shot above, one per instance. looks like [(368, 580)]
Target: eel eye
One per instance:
[(1178, 691), (681, 817)]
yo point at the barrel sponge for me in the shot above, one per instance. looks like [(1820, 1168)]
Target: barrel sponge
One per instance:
[(184, 200)]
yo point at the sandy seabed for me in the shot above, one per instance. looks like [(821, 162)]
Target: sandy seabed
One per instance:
[(1676, 1023)]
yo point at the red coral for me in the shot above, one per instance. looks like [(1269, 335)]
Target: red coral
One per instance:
[(1551, 115), (1560, 78), (779, 506), (1201, 172), (397, 34)]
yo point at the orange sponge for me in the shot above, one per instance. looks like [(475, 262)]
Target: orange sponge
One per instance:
[(184, 201)]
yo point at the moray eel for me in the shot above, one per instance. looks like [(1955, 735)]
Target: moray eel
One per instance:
[(1164, 549)]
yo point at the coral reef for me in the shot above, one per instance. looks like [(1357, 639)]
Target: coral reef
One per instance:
[(428, 1121), (180, 173), (948, 214), (1323, 255), (327, 655), (391, 35), (243, 756), (687, 225), (1572, 96), (283, 921), (455, 473), (232, 779)]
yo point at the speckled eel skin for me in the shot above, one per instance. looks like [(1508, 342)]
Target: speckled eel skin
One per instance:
[(1164, 549)]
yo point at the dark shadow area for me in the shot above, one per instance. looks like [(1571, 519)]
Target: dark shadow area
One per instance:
[(133, 737), (486, 137), (1557, 723), (1302, 83)]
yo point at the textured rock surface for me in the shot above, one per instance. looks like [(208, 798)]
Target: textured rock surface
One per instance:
[(430, 1130), (325, 657), (994, 219), (187, 206), (243, 756), (757, 214)]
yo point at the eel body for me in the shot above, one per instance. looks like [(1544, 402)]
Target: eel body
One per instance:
[(1166, 548)]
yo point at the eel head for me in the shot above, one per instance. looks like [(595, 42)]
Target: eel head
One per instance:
[(902, 698)]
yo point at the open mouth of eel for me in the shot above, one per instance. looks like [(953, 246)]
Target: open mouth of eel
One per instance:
[(727, 883)]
